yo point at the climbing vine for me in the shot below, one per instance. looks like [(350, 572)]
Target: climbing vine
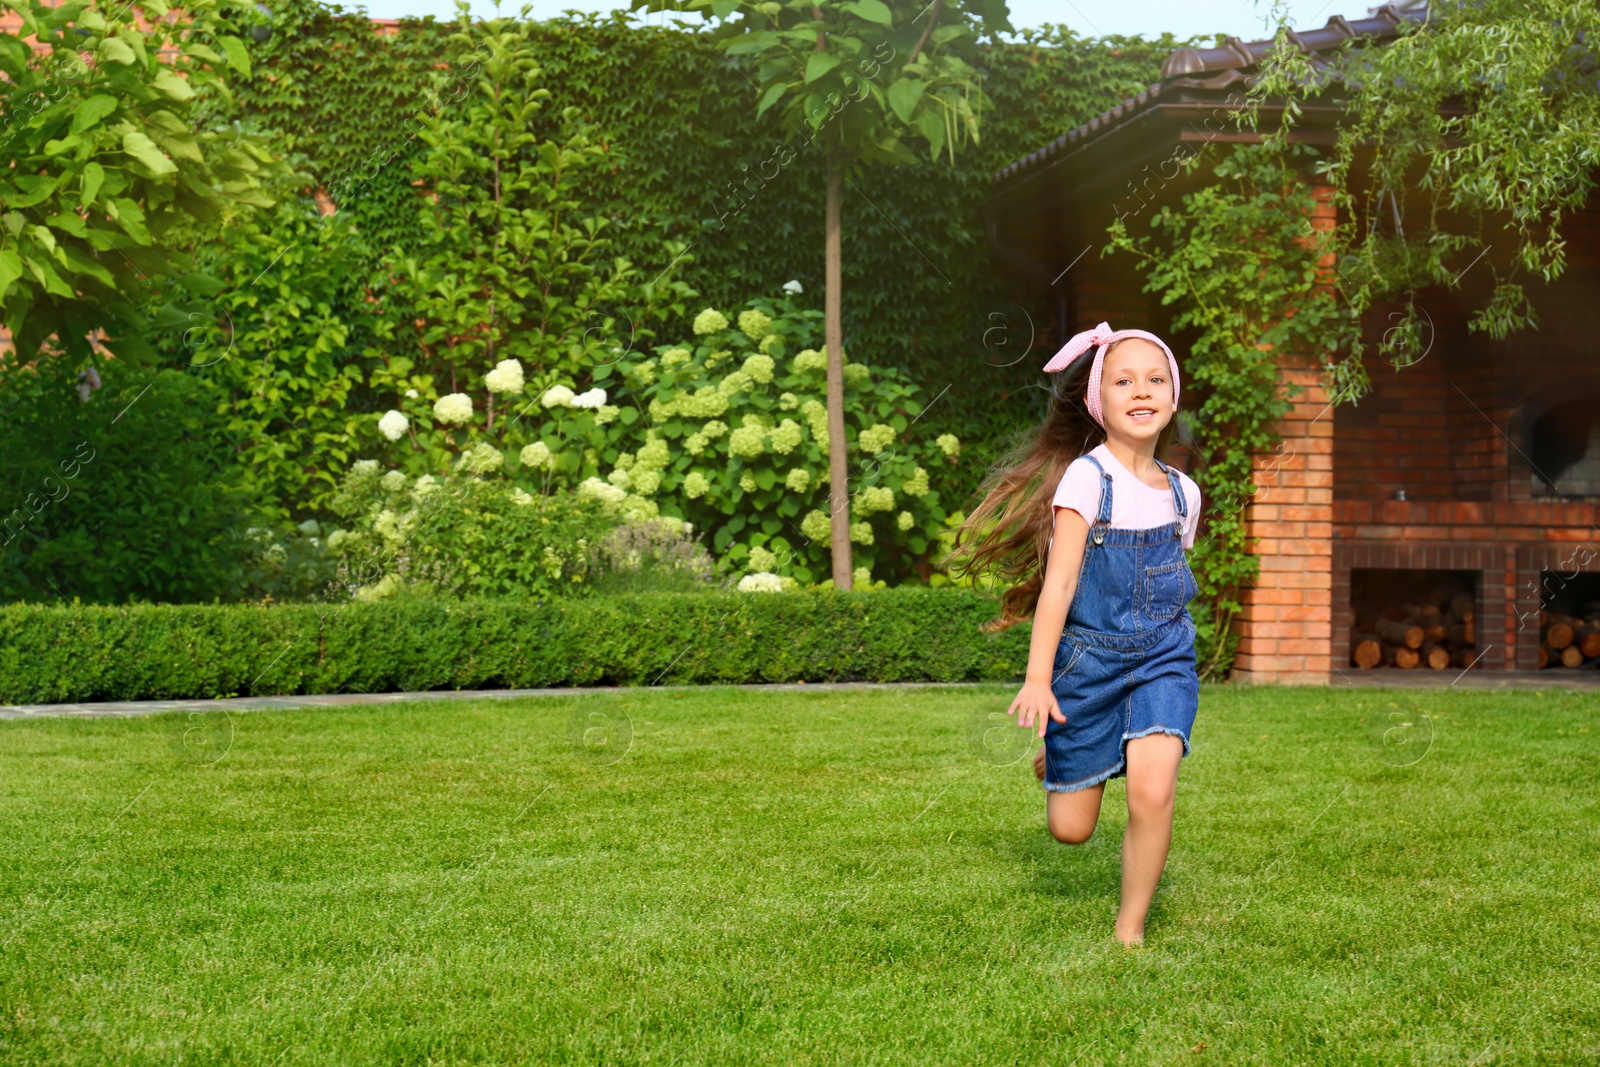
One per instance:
[(1247, 284)]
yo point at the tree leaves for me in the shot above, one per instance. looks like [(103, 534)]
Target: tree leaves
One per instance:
[(903, 97), (871, 10), (92, 111), (818, 64), (141, 148)]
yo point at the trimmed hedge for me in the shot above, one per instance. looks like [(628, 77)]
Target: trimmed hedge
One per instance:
[(51, 654)]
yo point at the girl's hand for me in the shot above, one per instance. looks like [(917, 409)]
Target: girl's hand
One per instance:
[(1036, 702)]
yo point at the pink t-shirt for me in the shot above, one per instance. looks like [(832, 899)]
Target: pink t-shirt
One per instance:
[(1134, 504)]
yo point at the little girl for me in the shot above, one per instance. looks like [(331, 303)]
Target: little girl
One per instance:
[(1113, 641)]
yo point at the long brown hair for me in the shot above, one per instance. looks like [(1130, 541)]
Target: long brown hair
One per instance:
[(1008, 533)]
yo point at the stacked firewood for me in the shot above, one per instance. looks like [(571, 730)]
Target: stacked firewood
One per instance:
[(1568, 640), (1428, 635)]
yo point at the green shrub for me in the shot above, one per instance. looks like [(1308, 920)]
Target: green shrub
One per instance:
[(411, 644), (131, 495), (727, 431), (467, 536)]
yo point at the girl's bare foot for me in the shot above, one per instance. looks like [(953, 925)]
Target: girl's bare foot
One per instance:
[(1130, 938), (1038, 764)]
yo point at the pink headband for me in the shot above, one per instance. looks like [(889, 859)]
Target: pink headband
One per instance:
[(1104, 337)]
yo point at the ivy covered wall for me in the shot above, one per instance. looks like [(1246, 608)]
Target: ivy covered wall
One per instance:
[(693, 163)]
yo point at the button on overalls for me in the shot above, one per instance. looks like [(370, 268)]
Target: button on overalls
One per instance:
[(1125, 667)]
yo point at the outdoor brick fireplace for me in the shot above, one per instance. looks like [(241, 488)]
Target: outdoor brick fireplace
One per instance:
[(1459, 501)]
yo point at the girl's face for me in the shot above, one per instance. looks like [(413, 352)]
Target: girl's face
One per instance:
[(1136, 390)]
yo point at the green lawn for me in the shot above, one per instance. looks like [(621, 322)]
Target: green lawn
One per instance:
[(813, 877)]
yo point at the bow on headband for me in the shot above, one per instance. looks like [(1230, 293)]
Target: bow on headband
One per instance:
[(1101, 338)]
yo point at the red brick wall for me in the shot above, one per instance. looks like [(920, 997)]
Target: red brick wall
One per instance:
[(1285, 627)]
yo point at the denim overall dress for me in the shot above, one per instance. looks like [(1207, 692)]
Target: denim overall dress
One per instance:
[(1125, 667)]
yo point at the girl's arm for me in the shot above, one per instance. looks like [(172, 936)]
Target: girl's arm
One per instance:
[(1036, 702)]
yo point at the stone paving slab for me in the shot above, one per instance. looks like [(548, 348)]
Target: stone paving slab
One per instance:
[(1350, 677), (132, 708)]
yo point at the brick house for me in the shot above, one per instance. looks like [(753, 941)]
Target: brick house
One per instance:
[(1475, 472)]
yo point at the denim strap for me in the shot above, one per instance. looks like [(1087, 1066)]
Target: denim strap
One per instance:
[(1179, 500), (1102, 518)]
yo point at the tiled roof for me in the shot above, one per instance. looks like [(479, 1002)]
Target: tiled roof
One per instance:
[(1220, 68)]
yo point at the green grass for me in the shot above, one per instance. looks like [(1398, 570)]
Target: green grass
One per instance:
[(789, 877)]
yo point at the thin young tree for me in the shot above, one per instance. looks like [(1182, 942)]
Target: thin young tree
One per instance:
[(866, 76)]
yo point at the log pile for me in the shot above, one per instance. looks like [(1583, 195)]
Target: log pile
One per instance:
[(1437, 633), (1569, 641)]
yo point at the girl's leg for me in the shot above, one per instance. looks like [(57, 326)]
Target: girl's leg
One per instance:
[(1072, 815), (1152, 786)]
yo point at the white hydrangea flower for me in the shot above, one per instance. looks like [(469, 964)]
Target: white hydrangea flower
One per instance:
[(361, 468), (425, 485), (636, 508), (594, 398), (621, 478), (337, 538), (760, 368), (917, 484), (536, 455), (762, 559), (453, 407), (695, 444), (645, 482), (861, 533), (393, 425), (393, 482), (786, 437), (747, 481), (788, 401), (411, 394), (857, 374), (482, 458), (506, 378), (557, 396), (862, 576), (905, 520), (696, 485), (734, 382), (594, 487), (875, 438), (654, 456), (606, 414), (389, 586), (386, 525), (521, 498), (792, 287), (875, 498), (949, 443), (770, 342), (816, 525), (746, 441), (710, 321), (755, 324), (714, 429), (809, 359), (761, 582), (674, 356), (798, 480)]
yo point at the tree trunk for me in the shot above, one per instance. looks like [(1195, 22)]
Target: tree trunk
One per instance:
[(833, 328)]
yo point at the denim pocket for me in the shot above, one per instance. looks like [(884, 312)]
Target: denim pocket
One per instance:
[(1072, 660), (1167, 589)]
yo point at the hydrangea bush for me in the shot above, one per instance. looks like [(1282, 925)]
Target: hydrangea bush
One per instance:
[(727, 431), (470, 536)]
